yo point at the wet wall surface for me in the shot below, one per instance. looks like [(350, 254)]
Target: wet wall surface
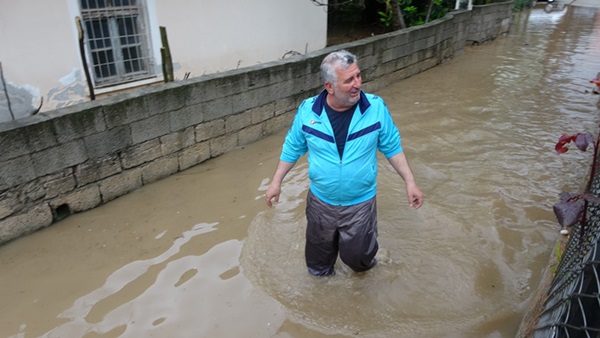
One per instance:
[(200, 255)]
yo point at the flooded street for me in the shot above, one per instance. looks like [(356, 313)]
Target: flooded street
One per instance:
[(200, 255)]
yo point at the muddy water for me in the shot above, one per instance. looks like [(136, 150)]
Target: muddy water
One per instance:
[(199, 254)]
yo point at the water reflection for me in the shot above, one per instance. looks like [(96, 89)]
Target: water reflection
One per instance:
[(153, 297)]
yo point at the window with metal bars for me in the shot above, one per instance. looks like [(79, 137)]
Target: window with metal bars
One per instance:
[(117, 39)]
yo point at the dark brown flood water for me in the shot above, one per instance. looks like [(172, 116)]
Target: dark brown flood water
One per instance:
[(200, 255)]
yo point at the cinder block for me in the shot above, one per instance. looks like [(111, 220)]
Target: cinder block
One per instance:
[(96, 169), (55, 159), (141, 153), (10, 203), (79, 124), (193, 155), (176, 141), (277, 73), (36, 218), (218, 108), (259, 76), (250, 134), (40, 136), (285, 105), (237, 122), (432, 41), (16, 171), (262, 113), (160, 168), (208, 130), (369, 61), (121, 184), (253, 98), (13, 144), (124, 110), (285, 89), (108, 142), (397, 40), (82, 199), (419, 45), (152, 127), (168, 99), (367, 49), (309, 66), (223, 144), (216, 86), (186, 117), (58, 184), (281, 122), (33, 191), (309, 85)]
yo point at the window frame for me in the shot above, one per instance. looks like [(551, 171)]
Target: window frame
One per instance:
[(114, 45)]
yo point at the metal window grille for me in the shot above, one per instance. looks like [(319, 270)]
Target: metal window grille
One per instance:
[(117, 40)]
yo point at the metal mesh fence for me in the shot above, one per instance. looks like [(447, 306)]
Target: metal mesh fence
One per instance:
[(572, 308)]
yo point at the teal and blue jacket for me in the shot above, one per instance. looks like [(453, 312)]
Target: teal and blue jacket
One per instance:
[(351, 179)]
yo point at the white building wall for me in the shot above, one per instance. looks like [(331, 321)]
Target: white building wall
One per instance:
[(40, 56), (37, 51), (219, 36)]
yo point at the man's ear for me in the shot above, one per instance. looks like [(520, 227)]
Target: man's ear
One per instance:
[(329, 87)]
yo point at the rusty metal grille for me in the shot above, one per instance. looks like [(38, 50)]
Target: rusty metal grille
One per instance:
[(117, 39), (572, 308)]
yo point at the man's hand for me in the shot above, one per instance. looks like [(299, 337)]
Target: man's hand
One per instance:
[(274, 189), (273, 192), (415, 196)]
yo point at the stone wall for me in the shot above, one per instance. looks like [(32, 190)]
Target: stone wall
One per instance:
[(75, 158), (488, 22)]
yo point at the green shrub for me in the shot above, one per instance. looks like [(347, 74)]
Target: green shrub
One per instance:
[(520, 4)]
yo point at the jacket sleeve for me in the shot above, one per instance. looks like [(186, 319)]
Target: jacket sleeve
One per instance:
[(390, 142), (295, 141)]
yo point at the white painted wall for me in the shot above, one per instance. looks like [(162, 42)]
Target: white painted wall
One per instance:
[(40, 56), (224, 35), (37, 48)]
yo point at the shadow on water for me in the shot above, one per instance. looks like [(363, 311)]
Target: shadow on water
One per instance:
[(200, 255)]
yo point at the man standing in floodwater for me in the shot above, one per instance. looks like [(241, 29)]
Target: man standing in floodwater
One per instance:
[(341, 129)]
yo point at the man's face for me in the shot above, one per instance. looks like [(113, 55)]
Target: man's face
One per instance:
[(346, 92)]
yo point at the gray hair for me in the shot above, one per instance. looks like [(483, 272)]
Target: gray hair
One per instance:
[(340, 59)]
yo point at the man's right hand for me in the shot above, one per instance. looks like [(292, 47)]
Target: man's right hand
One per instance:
[(273, 192), (274, 189)]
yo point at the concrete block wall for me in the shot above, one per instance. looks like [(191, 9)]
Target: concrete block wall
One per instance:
[(75, 158), (489, 21)]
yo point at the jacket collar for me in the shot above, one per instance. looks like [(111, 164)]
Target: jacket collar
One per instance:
[(319, 104)]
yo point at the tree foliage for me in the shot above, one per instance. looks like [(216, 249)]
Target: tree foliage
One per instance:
[(388, 14)]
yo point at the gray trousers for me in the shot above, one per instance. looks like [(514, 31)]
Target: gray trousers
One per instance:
[(350, 231)]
